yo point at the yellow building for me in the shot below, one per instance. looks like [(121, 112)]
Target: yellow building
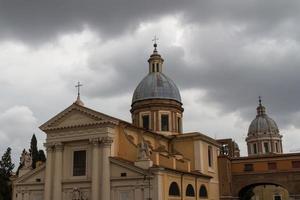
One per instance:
[(266, 173), (91, 155)]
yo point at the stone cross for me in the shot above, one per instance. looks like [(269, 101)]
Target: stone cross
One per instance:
[(78, 88)]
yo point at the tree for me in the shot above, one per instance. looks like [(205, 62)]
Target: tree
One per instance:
[(41, 156), (20, 164), (34, 151), (6, 167)]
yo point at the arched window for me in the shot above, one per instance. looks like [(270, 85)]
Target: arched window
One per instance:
[(203, 192), (174, 189), (190, 192)]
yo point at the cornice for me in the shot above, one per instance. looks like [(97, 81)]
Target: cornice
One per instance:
[(99, 117)]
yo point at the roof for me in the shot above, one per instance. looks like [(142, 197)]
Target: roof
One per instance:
[(159, 168), (269, 156), (263, 124), (195, 136), (156, 85)]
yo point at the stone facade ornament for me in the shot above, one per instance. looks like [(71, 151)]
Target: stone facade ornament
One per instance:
[(107, 141), (77, 194), (95, 141), (26, 160), (59, 146), (143, 151), (224, 150)]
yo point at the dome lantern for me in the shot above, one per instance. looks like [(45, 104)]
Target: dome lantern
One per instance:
[(155, 61), (263, 134)]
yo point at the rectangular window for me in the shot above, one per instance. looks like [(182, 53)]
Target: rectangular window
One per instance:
[(153, 67), (146, 121), (266, 146), (254, 148), (296, 164), (157, 67), (179, 124), (248, 167), (79, 163), (276, 147), (165, 122), (272, 166), (210, 156)]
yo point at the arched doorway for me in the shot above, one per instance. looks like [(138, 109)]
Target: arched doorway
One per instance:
[(264, 191)]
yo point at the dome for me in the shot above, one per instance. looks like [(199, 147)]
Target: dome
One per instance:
[(156, 85), (263, 125)]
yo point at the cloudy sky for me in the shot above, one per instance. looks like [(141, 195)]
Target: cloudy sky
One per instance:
[(221, 54)]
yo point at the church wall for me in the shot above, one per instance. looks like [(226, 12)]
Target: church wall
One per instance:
[(165, 161), (127, 149), (128, 182), (69, 149), (84, 186), (183, 180), (28, 191), (186, 147)]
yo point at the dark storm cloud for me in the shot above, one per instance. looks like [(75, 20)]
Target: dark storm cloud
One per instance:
[(39, 21), (232, 75)]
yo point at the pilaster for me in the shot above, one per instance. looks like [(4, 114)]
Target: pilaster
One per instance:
[(57, 187), (49, 171), (105, 186), (95, 168)]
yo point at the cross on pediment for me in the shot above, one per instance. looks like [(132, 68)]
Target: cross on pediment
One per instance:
[(78, 88)]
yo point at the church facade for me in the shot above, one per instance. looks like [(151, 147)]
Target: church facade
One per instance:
[(93, 156)]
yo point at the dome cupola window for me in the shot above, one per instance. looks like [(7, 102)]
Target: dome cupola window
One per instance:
[(146, 121)]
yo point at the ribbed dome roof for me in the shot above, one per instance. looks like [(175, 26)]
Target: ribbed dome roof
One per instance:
[(156, 85), (262, 124)]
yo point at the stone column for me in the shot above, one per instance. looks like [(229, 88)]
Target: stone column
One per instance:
[(105, 186), (48, 173), (57, 186), (95, 168)]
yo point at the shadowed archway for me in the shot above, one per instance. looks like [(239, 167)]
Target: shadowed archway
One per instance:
[(263, 191)]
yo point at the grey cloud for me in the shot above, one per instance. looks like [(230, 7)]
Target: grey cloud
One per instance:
[(38, 21), (231, 70), (17, 125), (224, 62)]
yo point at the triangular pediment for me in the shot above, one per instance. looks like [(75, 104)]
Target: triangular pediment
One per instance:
[(34, 176), (119, 166), (77, 116)]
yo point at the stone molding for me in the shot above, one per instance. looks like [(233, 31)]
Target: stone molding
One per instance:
[(49, 147), (95, 141), (100, 119), (59, 146), (106, 141)]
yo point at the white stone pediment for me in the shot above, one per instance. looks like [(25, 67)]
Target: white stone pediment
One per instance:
[(32, 177), (119, 167), (77, 116)]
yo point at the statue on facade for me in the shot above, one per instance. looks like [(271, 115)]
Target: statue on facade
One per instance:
[(224, 150), (77, 194), (143, 150), (26, 160)]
